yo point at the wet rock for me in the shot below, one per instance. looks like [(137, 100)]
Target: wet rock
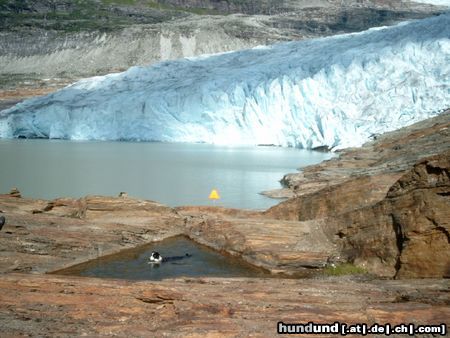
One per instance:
[(323, 149)]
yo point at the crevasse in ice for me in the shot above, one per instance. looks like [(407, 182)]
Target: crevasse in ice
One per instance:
[(334, 92)]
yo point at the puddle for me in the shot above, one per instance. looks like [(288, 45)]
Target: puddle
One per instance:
[(133, 264)]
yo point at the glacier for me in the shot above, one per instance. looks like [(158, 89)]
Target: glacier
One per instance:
[(335, 92), (435, 2)]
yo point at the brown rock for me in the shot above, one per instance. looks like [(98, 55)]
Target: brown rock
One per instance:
[(48, 305), (15, 193), (407, 233), (383, 215), (361, 176), (279, 246), (334, 199), (421, 215), (66, 231)]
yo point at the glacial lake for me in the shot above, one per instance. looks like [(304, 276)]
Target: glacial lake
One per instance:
[(173, 174)]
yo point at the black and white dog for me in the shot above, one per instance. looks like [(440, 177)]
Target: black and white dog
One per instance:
[(2, 221), (156, 258)]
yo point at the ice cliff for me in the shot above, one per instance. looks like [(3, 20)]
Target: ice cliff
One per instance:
[(435, 2), (334, 91)]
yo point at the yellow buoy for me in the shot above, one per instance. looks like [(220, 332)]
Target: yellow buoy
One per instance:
[(214, 195)]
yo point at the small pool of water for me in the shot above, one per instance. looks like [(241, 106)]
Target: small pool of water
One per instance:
[(134, 264), (171, 173)]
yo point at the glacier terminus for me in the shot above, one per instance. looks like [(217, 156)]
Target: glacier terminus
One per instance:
[(335, 92)]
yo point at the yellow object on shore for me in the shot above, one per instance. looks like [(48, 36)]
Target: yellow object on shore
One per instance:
[(214, 195)]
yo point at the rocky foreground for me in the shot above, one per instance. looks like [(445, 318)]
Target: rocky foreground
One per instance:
[(41, 306), (384, 207)]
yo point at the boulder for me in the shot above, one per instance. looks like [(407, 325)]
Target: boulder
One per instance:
[(15, 193)]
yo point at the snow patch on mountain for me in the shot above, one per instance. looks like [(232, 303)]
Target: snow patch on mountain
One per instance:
[(334, 92)]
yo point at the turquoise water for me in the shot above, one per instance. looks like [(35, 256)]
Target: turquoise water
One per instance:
[(173, 174)]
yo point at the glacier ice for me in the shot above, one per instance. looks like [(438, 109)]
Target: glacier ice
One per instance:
[(435, 2), (334, 92)]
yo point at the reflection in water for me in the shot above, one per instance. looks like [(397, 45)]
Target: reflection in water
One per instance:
[(173, 174), (134, 264)]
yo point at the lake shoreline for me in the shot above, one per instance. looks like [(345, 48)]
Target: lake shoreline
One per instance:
[(172, 174), (341, 202)]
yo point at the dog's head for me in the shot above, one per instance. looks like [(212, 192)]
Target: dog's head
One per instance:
[(155, 257)]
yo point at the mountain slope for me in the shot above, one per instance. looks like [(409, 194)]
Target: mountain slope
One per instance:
[(44, 42), (333, 92)]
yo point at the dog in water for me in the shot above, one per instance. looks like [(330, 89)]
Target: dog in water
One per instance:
[(156, 258)]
